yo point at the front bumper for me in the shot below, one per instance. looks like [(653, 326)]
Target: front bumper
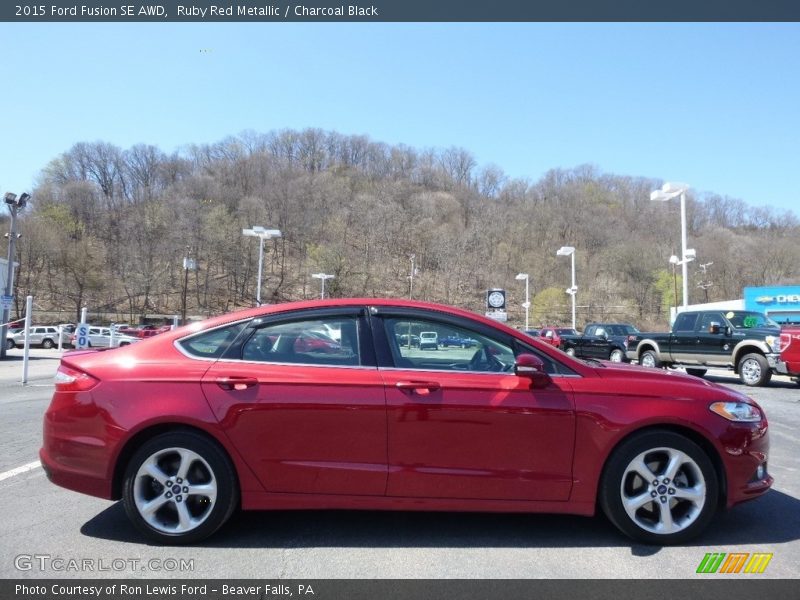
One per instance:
[(746, 448)]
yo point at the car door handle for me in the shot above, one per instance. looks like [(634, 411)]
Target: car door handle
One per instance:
[(421, 388), (236, 383)]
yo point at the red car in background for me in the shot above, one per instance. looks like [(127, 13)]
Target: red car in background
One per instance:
[(145, 331), (790, 352), (552, 335), (188, 426)]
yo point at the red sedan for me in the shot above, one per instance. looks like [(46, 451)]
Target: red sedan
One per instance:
[(189, 425)]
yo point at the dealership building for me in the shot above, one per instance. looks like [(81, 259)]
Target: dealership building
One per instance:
[(781, 303)]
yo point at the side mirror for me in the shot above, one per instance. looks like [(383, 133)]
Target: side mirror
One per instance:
[(532, 367), (713, 327)]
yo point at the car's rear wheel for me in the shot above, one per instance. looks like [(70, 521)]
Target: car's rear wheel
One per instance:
[(754, 370), (179, 488), (10, 344), (697, 372), (659, 487), (616, 355), (649, 359), (47, 343)]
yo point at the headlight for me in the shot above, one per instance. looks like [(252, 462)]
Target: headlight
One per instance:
[(773, 343), (737, 411)]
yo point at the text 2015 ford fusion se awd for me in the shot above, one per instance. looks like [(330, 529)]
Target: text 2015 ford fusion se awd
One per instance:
[(243, 411)]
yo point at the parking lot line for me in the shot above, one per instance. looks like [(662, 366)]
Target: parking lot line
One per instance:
[(19, 470)]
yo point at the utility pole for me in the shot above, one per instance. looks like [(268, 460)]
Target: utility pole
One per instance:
[(14, 205)]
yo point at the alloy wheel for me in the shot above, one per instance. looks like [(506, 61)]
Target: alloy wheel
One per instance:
[(663, 490), (175, 490)]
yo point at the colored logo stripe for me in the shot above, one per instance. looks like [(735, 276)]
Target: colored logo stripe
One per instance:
[(758, 563), (735, 562)]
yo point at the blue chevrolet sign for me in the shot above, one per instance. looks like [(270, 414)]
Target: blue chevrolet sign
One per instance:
[(781, 303)]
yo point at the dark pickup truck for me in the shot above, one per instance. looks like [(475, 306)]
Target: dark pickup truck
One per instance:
[(605, 341), (745, 341)]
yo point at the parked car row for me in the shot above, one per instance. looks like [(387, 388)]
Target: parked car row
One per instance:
[(47, 336)]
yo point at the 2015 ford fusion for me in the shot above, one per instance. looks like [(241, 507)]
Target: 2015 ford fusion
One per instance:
[(238, 411)]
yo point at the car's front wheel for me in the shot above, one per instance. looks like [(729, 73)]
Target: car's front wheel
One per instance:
[(754, 370), (10, 345), (179, 488), (659, 487), (616, 355), (47, 343)]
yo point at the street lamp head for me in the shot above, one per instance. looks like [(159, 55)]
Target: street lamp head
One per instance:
[(669, 191), (322, 276), (10, 198), (672, 187), (522, 276), (691, 254), (23, 200), (674, 260), (262, 232), (565, 251)]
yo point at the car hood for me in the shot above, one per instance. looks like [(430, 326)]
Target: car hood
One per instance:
[(667, 381), (757, 331)]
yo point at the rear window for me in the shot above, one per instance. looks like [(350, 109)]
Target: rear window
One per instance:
[(211, 344)]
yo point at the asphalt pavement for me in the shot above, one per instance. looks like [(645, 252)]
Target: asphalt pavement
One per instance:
[(52, 532)]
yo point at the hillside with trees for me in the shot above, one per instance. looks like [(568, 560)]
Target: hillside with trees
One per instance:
[(108, 228)]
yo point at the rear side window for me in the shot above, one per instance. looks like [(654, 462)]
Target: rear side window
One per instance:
[(211, 344), (685, 322), (331, 341)]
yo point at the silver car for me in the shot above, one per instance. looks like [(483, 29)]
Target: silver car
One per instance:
[(45, 336)]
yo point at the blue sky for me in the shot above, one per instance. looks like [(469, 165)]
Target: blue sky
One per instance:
[(713, 105)]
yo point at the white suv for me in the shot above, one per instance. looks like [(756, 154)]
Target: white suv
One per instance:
[(45, 336), (429, 340)]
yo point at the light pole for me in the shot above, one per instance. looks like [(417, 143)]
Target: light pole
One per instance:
[(527, 303), (189, 264), (411, 277), (573, 289), (322, 277), (674, 260), (14, 204), (262, 234), (667, 192)]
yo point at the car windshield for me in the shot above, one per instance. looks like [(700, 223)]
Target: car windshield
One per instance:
[(566, 331), (749, 320)]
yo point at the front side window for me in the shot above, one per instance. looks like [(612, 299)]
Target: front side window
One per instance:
[(431, 345), (329, 341)]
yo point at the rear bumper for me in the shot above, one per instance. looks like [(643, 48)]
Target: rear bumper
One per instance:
[(75, 480)]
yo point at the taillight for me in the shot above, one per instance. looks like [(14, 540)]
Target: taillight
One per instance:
[(72, 380), (786, 340)]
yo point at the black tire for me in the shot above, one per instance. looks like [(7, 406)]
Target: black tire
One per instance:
[(688, 517), (696, 372), (208, 463), (649, 358), (754, 370), (10, 345), (47, 343)]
